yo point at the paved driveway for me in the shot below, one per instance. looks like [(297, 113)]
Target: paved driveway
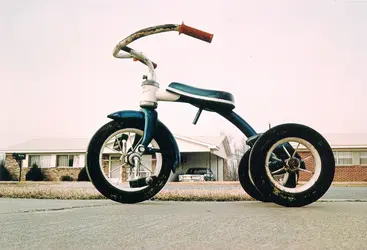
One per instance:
[(53, 224)]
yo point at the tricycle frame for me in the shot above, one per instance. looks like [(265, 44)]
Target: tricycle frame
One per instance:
[(150, 116), (151, 94)]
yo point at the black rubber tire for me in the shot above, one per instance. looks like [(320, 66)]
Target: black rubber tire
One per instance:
[(97, 176), (248, 185), (245, 181), (262, 181)]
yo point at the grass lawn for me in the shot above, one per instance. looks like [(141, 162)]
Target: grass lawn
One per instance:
[(84, 190)]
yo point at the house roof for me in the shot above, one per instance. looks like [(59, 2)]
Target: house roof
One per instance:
[(214, 140), (48, 145), (343, 141), (347, 140), (214, 143)]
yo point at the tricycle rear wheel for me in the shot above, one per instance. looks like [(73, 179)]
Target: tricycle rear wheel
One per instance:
[(320, 168), (246, 182)]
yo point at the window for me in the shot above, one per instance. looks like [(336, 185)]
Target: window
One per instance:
[(363, 158), (42, 161), (65, 161), (343, 158), (115, 158)]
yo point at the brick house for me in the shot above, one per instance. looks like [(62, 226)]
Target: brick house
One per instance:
[(60, 157), (350, 153)]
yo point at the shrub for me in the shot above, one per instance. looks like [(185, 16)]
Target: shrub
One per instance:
[(66, 178), (35, 174), (4, 172), (83, 175), (48, 176)]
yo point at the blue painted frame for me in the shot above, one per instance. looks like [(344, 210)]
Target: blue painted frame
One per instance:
[(151, 122), (239, 122), (150, 116)]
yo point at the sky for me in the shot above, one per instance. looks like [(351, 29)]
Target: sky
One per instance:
[(284, 61)]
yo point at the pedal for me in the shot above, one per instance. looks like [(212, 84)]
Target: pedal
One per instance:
[(142, 182)]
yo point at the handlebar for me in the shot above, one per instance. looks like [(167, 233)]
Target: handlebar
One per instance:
[(138, 56)]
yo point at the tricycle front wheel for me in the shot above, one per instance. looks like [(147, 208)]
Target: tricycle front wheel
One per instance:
[(111, 170)]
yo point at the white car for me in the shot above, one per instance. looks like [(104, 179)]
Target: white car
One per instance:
[(197, 174)]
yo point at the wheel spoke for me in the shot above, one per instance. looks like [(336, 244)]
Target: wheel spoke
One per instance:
[(146, 168), (278, 171), (118, 167), (114, 150), (305, 170), (307, 158), (274, 156), (295, 151), (137, 144), (286, 150), (118, 142)]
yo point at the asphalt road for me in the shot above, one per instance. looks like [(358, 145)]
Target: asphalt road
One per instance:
[(103, 224), (348, 193)]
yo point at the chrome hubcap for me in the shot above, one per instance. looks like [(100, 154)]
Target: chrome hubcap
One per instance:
[(292, 164)]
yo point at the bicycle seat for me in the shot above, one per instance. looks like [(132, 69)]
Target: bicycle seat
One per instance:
[(202, 98)]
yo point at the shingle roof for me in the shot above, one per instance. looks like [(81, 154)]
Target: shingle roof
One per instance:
[(347, 140), (214, 140), (51, 145)]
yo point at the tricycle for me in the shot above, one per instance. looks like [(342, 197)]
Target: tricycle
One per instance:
[(130, 158)]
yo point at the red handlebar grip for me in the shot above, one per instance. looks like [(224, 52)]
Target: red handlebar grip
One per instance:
[(199, 34)]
